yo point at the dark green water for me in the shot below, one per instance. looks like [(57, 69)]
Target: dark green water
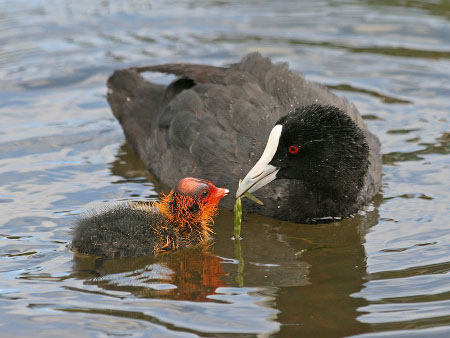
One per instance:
[(384, 272)]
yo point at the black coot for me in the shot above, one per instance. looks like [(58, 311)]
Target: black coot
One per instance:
[(215, 122)]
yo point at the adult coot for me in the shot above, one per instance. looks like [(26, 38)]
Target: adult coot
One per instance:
[(215, 122), (181, 219)]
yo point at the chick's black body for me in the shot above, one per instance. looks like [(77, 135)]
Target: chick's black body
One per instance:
[(124, 231), (214, 122)]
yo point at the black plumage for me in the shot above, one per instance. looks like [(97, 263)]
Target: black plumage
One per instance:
[(119, 231)]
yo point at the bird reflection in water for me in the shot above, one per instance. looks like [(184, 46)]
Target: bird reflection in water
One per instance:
[(190, 274)]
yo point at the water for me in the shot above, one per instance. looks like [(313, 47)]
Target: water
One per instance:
[(386, 271)]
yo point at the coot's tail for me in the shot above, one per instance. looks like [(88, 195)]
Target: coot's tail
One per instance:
[(134, 102), (129, 94)]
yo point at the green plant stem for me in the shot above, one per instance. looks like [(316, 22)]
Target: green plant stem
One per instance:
[(237, 219), (238, 257)]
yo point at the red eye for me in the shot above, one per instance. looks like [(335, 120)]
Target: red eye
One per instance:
[(293, 149)]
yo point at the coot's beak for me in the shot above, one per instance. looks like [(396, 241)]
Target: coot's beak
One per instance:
[(263, 172)]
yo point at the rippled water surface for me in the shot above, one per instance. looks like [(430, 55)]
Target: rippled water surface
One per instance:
[(384, 272)]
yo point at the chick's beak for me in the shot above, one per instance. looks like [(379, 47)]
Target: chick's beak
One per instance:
[(221, 192)]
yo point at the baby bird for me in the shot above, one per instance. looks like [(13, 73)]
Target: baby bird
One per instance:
[(179, 220)]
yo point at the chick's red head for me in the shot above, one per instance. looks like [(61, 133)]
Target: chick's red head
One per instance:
[(193, 203), (202, 191)]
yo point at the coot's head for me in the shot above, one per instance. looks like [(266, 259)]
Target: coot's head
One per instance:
[(192, 203), (319, 145)]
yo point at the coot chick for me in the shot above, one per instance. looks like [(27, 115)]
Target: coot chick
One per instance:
[(214, 122), (181, 219)]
